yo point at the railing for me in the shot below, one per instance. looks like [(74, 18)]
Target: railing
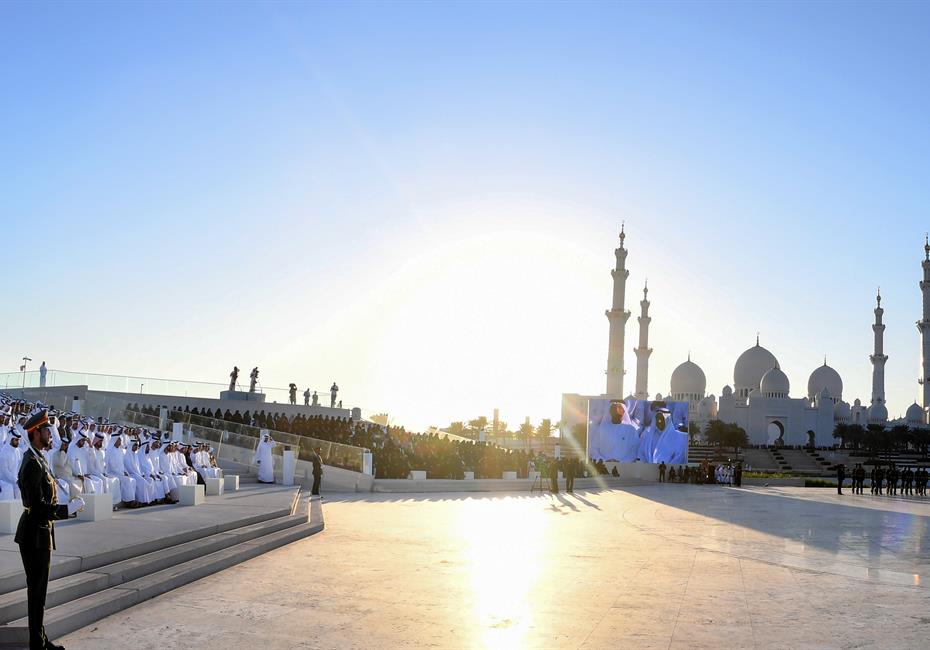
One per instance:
[(10, 381), (245, 438)]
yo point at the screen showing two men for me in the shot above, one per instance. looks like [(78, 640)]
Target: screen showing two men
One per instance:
[(634, 430)]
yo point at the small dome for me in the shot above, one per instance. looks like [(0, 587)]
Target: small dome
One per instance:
[(878, 414), (841, 411), (825, 377), (727, 391), (915, 414), (688, 379), (775, 383), (751, 365), (858, 402), (753, 394)]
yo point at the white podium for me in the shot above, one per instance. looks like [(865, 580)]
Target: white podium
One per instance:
[(418, 474), (289, 465), (213, 487), (509, 476), (191, 495), (97, 507), (469, 476), (231, 483), (10, 512)]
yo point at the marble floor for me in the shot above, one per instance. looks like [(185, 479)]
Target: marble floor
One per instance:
[(664, 566)]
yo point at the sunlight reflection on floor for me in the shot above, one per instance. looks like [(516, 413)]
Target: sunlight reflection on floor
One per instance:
[(503, 539)]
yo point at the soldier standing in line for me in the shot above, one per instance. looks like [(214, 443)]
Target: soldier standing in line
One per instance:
[(840, 477), (570, 475)]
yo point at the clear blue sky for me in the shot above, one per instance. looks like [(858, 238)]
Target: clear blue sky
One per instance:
[(420, 201)]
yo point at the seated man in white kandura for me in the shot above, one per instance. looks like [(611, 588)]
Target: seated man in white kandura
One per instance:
[(201, 460), (145, 486), (97, 468), (116, 466), (10, 458)]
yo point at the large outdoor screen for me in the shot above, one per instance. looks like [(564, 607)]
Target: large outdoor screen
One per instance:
[(633, 430)]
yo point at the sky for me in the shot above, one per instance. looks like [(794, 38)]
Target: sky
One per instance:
[(420, 201)]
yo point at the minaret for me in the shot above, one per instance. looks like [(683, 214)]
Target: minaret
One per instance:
[(923, 325), (643, 351), (617, 317), (879, 358)]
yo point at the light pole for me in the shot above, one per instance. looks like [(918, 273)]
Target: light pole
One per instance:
[(23, 369)]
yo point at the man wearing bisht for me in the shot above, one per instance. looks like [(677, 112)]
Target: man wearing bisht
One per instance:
[(35, 533), (265, 460)]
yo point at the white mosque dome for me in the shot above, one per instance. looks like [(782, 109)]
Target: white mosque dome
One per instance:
[(841, 411), (751, 365), (775, 383), (688, 379), (753, 394), (727, 391), (914, 414), (878, 413), (825, 377)]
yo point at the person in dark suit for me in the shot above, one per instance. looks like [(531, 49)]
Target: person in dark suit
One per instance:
[(570, 475), (35, 533), (840, 477), (317, 461), (554, 476)]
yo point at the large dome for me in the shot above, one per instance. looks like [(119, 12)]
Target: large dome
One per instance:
[(825, 377), (878, 414), (775, 383), (914, 414), (751, 365), (841, 412), (688, 379)]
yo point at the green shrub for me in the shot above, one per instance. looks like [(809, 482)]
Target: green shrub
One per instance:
[(816, 482)]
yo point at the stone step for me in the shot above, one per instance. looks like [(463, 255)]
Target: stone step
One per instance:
[(245, 543), (63, 566), (62, 590)]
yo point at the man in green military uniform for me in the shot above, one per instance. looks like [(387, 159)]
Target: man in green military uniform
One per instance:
[(36, 532)]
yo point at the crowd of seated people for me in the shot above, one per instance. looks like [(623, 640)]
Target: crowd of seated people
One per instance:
[(136, 465), (395, 451)]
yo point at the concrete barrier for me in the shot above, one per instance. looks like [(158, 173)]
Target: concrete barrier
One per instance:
[(191, 495), (213, 486), (509, 476), (10, 512), (417, 474), (97, 507), (231, 483), (469, 476)]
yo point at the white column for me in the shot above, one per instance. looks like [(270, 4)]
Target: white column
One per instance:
[(878, 358), (643, 351), (923, 326), (617, 316)]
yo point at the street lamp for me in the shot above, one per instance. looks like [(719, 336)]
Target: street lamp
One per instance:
[(23, 369)]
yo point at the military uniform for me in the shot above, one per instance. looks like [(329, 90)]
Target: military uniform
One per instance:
[(35, 535)]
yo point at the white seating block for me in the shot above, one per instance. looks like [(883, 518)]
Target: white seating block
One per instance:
[(10, 512), (418, 474), (510, 476), (214, 486), (191, 495), (231, 483), (469, 476), (97, 507)]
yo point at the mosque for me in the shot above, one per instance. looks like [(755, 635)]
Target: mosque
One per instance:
[(759, 400)]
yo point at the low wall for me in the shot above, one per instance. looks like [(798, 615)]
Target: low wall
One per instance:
[(401, 485)]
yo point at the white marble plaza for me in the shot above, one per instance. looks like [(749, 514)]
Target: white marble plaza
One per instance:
[(664, 566)]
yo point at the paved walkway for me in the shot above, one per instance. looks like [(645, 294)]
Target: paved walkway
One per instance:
[(664, 566)]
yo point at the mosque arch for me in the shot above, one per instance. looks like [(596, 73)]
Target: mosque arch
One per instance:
[(775, 433)]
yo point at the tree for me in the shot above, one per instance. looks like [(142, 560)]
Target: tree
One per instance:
[(724, 434), (841, 433), (544, 430), (693, 431), (525, 431)]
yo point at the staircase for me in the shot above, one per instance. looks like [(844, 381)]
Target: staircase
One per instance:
[(115, 580)]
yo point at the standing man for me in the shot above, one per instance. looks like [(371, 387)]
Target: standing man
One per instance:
[(35, 533), (233, 378), (662, 472), (840, 477), (554, 476), (332, 395), (42, 371), (317, 460), (253, 379), (292, 393), (307, 397), (570, 475)]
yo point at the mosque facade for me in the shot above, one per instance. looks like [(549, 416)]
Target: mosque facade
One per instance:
[(759, 400)]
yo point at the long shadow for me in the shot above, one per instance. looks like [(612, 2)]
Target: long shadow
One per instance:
[(416, 497), (561, 499), (829, 526), (585, 501)]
